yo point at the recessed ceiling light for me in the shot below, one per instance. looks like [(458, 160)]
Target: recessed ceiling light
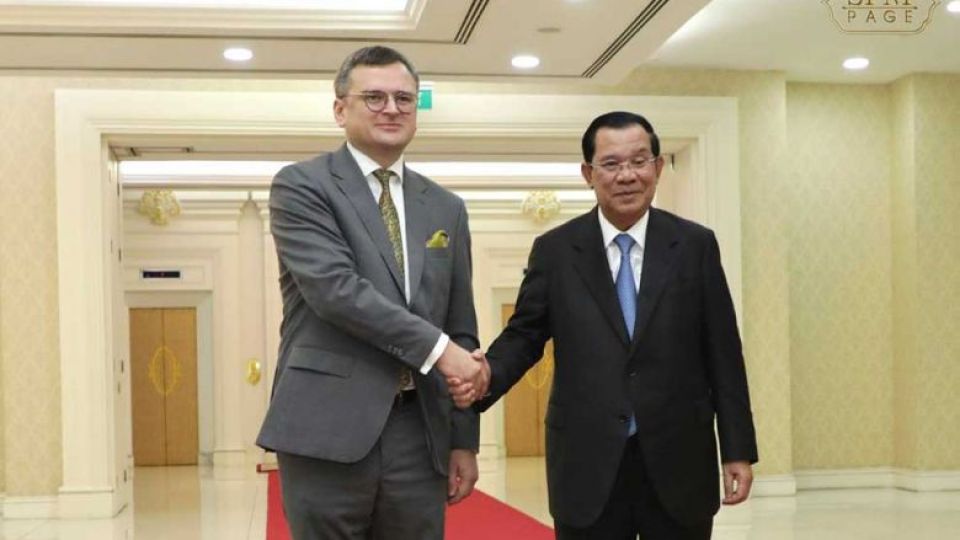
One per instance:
[(954, 7), (857, 62), (525, 61), (238, 54)]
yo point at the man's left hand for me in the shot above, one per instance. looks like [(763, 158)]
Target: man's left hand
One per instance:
[(737, 479), (462, 476)]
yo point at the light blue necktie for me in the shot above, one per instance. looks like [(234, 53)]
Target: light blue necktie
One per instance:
[(627, 293)]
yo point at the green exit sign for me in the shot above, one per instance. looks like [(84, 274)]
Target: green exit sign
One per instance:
[(425, 101)]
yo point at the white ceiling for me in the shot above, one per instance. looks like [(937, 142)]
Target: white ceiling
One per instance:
[(577, 40), (599, 40), (801, 38)]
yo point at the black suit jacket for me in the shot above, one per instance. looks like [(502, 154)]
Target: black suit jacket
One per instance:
[(683, 367)]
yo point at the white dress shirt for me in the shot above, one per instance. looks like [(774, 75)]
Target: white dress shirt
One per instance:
[(367, 166), (639, 233)]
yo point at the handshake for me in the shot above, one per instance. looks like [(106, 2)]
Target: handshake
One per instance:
[(467, 374)]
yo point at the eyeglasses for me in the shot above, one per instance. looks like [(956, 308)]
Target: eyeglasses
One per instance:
[(377, 101), (636, 164)]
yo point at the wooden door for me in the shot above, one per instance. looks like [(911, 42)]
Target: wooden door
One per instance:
[(525, 405), (163, 372)]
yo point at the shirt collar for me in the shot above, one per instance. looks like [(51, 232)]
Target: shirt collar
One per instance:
[(368, 165), (638, 231)]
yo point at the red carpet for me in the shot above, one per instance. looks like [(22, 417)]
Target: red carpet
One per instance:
[(479, 517), (276, 521)]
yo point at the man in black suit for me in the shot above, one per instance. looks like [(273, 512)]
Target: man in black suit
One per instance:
[(647, 354)]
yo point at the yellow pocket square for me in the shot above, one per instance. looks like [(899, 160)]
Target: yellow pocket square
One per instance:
[(440, 239)]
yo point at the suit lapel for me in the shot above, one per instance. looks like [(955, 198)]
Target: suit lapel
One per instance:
[(417, 216), (591, 263), (660, 252), (352, 183)]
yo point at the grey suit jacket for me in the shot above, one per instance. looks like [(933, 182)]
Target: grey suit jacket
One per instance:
[(347, 327)]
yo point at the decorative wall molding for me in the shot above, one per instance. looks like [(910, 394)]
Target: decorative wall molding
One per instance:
[(163, 20)]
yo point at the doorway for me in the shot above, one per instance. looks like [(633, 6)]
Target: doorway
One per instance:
[(163, 372)]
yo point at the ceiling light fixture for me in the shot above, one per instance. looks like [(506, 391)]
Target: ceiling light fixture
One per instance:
[(525, 61), (856, 63), (954, 7), (238, 54)]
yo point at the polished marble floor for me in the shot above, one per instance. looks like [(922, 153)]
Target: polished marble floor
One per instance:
[(190, 503)]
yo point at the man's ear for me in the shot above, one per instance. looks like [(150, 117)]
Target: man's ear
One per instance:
[(585, 171), (338, 111)]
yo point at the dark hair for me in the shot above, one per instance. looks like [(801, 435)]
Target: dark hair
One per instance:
[(616, 120), (370, 56)]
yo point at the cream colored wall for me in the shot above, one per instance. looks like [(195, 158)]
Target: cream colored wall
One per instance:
[(938, 205), (839, 140), (765, 324), (905, 302), (927, 275), (28, 285)]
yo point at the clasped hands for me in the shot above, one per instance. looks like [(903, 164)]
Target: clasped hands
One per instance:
[(467, 374)]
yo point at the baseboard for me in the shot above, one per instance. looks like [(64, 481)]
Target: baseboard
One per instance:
[(879, 477), (229, 458), (774, 485), (205, 459), (490, 451), (928, 480), (43, 507), (89, 503), (845, 478)]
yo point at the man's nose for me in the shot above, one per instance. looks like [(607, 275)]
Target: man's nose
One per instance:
[(391, 107)]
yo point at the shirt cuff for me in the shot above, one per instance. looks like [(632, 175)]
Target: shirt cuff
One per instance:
[(435, 353)]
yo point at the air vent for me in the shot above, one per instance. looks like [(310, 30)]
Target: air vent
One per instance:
[(642, 19), (160, 274), (139, 151)]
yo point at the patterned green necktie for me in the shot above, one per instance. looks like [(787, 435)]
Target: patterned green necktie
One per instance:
[(390, 217), (392, 220)]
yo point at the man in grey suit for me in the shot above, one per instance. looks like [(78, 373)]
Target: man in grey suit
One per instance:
[(378, 311)]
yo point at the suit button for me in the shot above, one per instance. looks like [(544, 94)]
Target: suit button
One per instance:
[(632, 374), (623, 418)]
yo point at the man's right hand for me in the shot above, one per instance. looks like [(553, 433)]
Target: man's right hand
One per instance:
[(457, 363)]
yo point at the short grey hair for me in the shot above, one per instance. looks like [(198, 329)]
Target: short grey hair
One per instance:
[(370, 56)]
